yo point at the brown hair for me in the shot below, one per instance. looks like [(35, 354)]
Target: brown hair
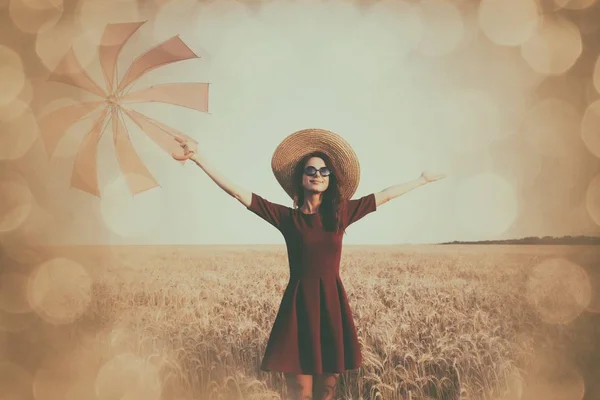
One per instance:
[(333, 206)]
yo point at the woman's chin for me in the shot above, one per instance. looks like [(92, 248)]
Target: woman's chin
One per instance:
[(315, 189)]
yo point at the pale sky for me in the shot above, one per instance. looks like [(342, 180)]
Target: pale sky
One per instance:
[(431, 87)]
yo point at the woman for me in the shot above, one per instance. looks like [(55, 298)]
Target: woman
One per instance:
[(313, 338)]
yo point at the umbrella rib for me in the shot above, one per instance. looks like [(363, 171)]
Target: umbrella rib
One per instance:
[(102, 120), (121, 116), (157, 99), (148, 119), (115, 43), (125, 90)]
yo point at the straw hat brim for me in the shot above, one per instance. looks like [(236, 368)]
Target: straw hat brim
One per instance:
[(301, 143)]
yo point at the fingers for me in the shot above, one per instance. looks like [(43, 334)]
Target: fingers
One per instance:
[(188, 153), (179, 139), (185, 144), (184, 157)]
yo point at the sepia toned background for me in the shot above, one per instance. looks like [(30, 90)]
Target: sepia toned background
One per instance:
[(504, 96), (493, 94)]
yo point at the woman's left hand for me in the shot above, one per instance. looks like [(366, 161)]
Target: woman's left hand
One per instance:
[(432, 177)]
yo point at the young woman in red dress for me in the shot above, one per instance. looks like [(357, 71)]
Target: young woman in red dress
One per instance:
[(313, 338)]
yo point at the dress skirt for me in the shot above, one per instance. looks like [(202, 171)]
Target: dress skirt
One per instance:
[(314, 331)]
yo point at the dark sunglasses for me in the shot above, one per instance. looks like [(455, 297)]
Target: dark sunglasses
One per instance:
[(312, 171)]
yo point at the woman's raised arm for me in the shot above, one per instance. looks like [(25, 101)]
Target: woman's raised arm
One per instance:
[(191, 153)]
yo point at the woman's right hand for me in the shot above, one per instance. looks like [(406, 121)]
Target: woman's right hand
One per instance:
[(190, 148)]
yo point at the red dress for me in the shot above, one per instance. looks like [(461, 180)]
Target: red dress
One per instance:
[(314, 331)]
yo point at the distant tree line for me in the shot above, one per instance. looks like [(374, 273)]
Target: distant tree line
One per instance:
[(569, 240)]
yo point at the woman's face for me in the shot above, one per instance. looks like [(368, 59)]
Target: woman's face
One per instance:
[(316, 183)]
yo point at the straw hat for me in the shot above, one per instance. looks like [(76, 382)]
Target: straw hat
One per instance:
[(299, 144)]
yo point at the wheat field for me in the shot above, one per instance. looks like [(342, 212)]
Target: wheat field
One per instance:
[(192, 322)]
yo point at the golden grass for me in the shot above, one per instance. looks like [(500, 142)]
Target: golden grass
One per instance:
[(435, 322)]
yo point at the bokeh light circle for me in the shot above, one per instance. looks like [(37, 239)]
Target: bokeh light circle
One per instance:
[(60, 370), (16, 201), (485, 205), (33, 16), (590, 128), (12, 81), (93, 15), (592, 199), (12, 75), (559, 290), (551, 127), (120, 338), (39, 222), (594, 306), (60, 290), (18, 133), (23, 249), (20, 104), (127, 376), (130, 216), (508, 22), (53, 44), (443, 27), (554, 47)]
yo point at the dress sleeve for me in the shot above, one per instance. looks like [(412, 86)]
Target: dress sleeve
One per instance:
[(358, 208), (273, 213)]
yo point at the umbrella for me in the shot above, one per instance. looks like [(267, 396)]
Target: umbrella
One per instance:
[(112, 107)]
